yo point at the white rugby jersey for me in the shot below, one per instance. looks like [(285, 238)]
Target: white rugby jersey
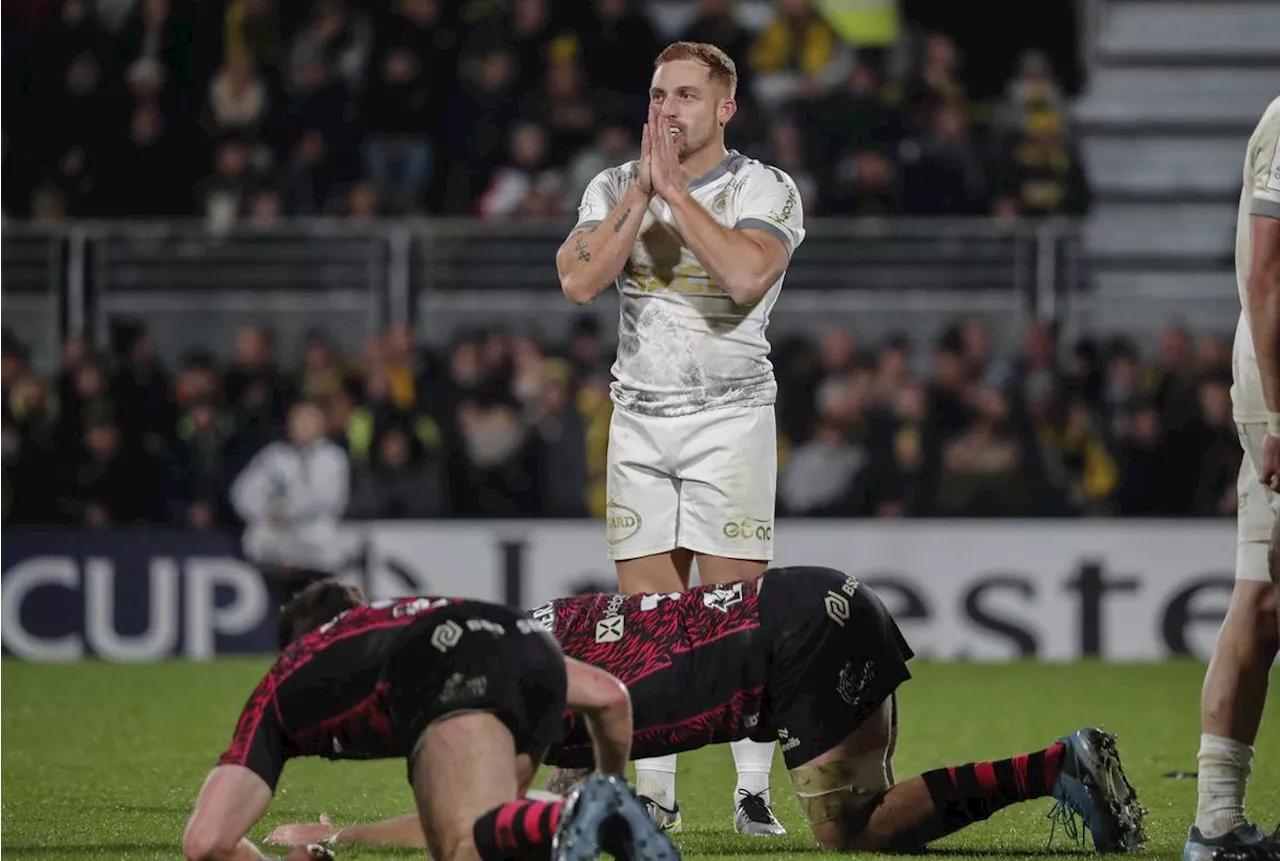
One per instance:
[(683, 344), (1260, 196)]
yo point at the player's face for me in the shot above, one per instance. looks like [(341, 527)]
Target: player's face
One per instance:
[(693, 107)]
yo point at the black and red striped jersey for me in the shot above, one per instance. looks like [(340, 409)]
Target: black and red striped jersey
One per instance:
[(325, 696), (692, 660)]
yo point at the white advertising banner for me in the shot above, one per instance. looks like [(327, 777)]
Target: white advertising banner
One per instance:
[(985, 590)]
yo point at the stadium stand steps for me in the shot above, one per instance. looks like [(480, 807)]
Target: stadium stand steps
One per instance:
[(1178, 86)]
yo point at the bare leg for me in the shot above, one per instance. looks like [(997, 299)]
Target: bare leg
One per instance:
[(1231, 704), (465, 766), (717, 569), (660, 573)]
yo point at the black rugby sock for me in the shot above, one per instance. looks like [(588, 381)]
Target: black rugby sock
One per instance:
[(970, 793), (518, 829)]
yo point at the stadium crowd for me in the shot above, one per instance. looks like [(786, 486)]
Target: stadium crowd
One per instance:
[(502, 425), (264, 109)]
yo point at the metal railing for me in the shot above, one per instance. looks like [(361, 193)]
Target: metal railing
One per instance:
[(194, 287)]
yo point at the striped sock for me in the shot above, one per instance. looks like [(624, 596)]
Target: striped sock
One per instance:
[(972, 792), (518, 829)]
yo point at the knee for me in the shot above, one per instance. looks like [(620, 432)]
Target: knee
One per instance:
[(1254, 609), (200, 843)]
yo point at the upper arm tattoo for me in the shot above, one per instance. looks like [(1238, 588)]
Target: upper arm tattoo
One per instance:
[(580, 245)]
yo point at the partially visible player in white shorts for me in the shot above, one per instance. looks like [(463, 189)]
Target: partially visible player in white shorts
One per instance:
[(1235, 686), (697, 239)]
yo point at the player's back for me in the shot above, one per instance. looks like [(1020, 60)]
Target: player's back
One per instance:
[(324, 696), (1260, 194), (691, 661)]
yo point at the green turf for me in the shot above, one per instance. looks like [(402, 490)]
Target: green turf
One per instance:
[(103, 761)]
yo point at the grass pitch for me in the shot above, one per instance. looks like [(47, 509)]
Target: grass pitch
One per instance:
[(104, 761)]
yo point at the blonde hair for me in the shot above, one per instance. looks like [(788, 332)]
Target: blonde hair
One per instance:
[(719, 65)]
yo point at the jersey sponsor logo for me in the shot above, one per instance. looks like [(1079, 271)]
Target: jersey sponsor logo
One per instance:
[(446, 636), (837, 603), (651, 602), (486, 625), (621, 522), (458, 687), (413, 608), (545, 616), (688, 279), (748, 529), (1273, 181), (783, 215), (722, 599), (853, 681), (610, 629)]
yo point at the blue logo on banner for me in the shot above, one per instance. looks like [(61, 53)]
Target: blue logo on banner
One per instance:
[(140, 596)]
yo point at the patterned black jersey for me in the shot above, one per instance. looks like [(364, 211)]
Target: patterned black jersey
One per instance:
[(325, 695), (692, 661)]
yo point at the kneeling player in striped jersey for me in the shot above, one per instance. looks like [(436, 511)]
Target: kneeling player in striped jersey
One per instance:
[(471, 694), (815, 666)]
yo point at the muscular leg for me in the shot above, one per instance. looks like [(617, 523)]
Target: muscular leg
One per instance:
[(659, 573), (1231, 704), (466, 780), (848, 795), (717, 569)]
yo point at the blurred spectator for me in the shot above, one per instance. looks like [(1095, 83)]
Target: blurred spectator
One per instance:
[(413, 68), (482, 110), (942, 173), (935, 84), (528, 186), (796, 51), (571, 113), (291, 497), (617, 47), (1032, 90), (238, 99), (197, 469), (308, 174), (1041, 174), (718, 24), (253, 32), (398, 483), (508, 428), (337, 38)]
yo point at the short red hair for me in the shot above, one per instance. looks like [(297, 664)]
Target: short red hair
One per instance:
[(719, 65)]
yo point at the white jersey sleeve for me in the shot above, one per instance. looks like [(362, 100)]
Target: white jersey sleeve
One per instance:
[(768, 200), (1259, 196), (602, 195), (1266, 171)]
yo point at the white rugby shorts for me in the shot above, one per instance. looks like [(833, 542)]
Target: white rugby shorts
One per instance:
[(704, 482), (1258, 508)]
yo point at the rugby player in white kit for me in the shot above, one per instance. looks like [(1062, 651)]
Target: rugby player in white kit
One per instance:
[(1235, 687), (697, 239)]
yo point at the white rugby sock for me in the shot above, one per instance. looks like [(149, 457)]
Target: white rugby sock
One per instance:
[(656, 778), (753, 760), (1224, 770)]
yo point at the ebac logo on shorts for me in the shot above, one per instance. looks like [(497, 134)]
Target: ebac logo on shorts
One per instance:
[(748, 529)]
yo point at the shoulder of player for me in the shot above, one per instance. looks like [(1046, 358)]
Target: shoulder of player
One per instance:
[(1268, 127), (618, 176), (753, 171)]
